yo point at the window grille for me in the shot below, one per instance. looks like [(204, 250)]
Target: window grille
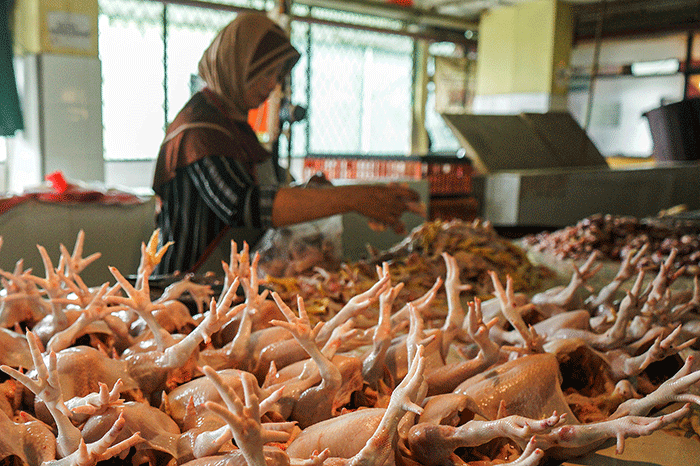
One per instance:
[(354, 80)]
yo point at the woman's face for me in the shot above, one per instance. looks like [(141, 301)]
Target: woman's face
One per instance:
[(259, 90)]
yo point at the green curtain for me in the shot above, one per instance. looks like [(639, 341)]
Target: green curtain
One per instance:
[(10, 112)]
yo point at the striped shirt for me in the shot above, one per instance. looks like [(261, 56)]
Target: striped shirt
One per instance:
[(206, 178), (203, 199)]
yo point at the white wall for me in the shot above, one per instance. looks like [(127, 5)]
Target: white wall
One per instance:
[(617, 124), (3, 177), (129, 173)]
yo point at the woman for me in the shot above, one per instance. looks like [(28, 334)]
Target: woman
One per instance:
[(216, 180)]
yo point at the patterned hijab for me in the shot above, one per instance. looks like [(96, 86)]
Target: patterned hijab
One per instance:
[(250, 45)]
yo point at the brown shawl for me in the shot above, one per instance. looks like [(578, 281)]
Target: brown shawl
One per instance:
[(249, 46)]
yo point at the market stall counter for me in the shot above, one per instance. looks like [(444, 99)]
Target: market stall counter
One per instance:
[(542, 170), (114, 222)]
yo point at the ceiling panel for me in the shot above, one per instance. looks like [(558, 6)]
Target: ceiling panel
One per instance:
[(619, 17)]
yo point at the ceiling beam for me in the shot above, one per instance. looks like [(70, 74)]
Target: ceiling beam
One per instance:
[(635, 18), (408, 14)]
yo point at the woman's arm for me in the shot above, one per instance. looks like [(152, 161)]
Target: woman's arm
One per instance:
[(230, 193), (383, 203)]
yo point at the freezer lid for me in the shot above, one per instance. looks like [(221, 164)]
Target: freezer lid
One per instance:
[(524, 141)]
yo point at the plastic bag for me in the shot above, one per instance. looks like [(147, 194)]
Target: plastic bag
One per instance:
[(298, 249)]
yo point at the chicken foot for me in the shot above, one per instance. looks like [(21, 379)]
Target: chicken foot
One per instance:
[(433, 445), (46, 387), (374, 363), (316, 403), (559, 299), (445, 379), (626, 271), (100, 450), (244, 419), (532, 341)]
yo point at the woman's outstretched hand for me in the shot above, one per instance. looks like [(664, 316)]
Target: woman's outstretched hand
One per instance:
[(386, 206), (383, 204)]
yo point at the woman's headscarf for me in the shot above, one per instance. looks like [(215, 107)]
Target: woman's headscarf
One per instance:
[(245, 49), (250, 45)]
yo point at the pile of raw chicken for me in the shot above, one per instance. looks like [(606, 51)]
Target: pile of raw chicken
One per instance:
[(111, 375), (416, 261), (614, 236)]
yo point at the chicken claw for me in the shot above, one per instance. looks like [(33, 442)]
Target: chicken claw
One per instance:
[(317, 459), (95, 403), (76, 263), (46, 387), (151, 255), (590, 435), (243, 420), (479, 332), (673, 390), (403, 400), (299, 327), (100, 450), (219, 315), (506, 296), (531, 456), (432, 444)]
